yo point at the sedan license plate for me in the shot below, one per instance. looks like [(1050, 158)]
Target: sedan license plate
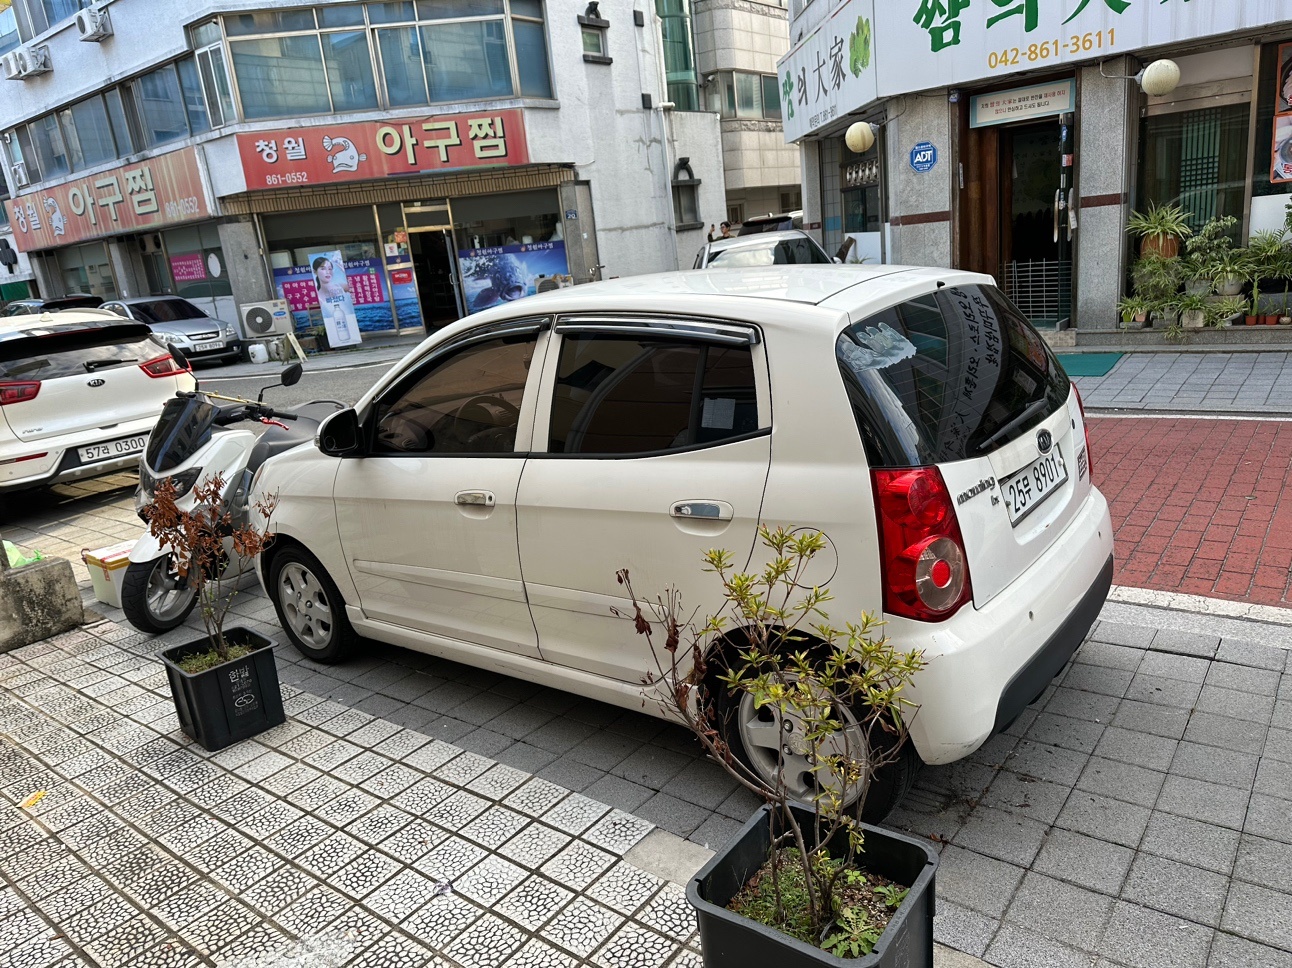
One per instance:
[(112, 448), (1024, 491), (204, 347)]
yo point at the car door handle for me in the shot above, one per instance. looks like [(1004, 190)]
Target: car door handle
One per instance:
[(481, 499), (705, 510)]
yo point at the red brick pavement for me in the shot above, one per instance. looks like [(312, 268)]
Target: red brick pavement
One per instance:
[(1198, 506)]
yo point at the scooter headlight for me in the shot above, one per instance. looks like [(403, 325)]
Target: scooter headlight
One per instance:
[(183, 482)]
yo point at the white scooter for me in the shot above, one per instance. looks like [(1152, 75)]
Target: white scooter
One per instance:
[(198, 436)]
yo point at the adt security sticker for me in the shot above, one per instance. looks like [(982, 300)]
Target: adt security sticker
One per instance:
[(924, 156)]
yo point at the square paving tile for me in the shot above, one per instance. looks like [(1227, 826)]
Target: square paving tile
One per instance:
[(1144, 938), (1174, 888)]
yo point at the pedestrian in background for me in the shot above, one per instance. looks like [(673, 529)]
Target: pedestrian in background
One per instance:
[(726, 232)]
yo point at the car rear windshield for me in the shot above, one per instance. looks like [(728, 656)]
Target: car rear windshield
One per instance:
[(787, 252), (947, 376), (167, 310), (50, 354)]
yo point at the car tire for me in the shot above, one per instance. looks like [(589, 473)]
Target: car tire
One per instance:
[(310, 607), (138, 598), (888, 786)]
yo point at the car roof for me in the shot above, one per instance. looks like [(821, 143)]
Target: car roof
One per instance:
[(758, 240), (717, 291), (135, 300), (85, 318)]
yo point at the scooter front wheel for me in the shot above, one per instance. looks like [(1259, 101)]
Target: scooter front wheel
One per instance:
[(154, 598)]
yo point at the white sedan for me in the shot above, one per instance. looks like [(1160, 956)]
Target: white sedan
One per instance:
[(80, 391), (477, 503)]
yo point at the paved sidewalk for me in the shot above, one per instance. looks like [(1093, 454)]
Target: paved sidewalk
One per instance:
[(1197, 505), (1192, 382), (384, 349)]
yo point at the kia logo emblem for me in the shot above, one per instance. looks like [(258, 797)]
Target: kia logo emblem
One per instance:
[(1044, 441), (96, 382)]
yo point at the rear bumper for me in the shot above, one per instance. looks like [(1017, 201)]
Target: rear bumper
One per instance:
[(986, 664), (62, 463)]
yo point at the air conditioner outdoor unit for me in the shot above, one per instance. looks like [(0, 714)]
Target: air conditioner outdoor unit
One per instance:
[(20, 177), (262, 320), (148, 244), (9, 65), (94, 24), (33, 60)]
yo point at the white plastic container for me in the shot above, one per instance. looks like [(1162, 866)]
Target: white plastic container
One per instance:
[(258, 353), (108, 570)]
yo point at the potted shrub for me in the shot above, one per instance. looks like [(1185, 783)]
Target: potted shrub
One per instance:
[(1221, 311), (1207, 250), (803, 883), (1160, 228), (1157, 283), (224, 684), (1264, 259), (1193, 310), (1133, 310)]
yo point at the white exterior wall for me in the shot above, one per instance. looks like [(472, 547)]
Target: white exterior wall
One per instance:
[(595, 121)]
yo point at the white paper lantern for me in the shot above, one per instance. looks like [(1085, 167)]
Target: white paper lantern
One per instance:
[(1160, 78), (860, 137)]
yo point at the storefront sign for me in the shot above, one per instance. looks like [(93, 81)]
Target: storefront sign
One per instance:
[(924, 156), (188, 268), (326, 154), (505, 272), (831, 72), (1281, 145), (924, 44), (1023, 103), (153, 193)]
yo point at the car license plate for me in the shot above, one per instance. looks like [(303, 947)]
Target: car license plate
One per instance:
[(204, 347), (112, 448), (1025, 490)]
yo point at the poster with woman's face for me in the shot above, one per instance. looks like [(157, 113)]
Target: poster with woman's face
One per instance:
[(1281, 145), (336, 300)]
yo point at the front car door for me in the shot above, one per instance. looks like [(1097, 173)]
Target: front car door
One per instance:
[(427, 518), (652, 442)]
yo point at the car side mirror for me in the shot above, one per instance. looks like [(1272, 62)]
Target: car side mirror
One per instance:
[(339, 435), (291, 375)]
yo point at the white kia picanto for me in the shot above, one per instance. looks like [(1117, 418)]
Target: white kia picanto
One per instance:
[(478, 501)]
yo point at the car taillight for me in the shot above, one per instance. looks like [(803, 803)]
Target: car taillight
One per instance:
[(925, 573), (18, 392), (163, 366), (1085, 425)]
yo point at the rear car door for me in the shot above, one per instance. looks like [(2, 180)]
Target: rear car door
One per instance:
[(652, 445), (957, 378)]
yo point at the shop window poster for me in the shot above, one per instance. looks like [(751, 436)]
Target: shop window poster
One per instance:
[(501, 273), (364, 277), (1281, 151), (335, 298)]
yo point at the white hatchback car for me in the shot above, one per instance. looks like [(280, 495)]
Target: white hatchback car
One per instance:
[(80, 391), (477, 503)]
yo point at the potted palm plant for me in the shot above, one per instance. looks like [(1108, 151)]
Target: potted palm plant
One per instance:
[(1160, 228), (225, 683), (1264, 258), (803, 883)]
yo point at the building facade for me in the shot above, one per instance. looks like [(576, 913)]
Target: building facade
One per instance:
[(738, 43), (1013, 137), (447, 154)]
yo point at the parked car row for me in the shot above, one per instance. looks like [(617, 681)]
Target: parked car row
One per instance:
[(176, 321)]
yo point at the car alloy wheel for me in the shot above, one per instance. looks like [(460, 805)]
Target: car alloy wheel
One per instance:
[(305, 605)]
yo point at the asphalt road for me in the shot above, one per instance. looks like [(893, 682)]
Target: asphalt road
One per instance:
[(346, 385)]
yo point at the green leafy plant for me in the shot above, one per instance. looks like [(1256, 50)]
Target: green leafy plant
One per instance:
[(1264, 257), (836, 694), (1161, 227), (892, 894), (859, 47), (1130, 308), (1222, 310), (855, 935), (1157, 281)]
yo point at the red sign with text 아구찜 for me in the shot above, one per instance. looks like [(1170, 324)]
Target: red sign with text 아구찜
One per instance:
[(147, 195), (326, 154)]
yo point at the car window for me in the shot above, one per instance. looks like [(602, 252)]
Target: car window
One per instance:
[(785, 252), (18, 309), (76, 352), (947, 376), (465, 403), (637, 395), (167, 310)]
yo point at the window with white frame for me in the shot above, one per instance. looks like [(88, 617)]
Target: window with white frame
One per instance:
[(742, 94)]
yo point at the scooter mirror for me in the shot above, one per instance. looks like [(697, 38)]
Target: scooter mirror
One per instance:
[(292, 375), (178, 355)]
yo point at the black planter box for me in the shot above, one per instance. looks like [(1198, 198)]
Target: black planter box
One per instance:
[(728, 940), (231, 702)]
